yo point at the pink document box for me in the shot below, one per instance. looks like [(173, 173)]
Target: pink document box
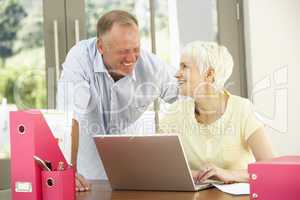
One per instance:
[(30, 135), (277, 179), (59, 185)]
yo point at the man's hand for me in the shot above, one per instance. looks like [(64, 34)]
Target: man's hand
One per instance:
[(210, 171), (81, 184)]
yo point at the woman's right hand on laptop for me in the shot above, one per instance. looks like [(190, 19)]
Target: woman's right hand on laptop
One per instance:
[(81, 183)]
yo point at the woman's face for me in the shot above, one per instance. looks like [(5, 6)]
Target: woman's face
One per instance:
[(188, 76), (191, 82)]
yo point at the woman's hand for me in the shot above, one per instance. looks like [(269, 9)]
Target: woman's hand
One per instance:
[(210, 171)]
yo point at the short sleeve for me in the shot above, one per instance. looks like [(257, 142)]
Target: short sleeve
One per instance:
[(251, 123)]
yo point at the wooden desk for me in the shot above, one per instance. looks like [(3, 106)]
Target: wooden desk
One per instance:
[(102, 191)]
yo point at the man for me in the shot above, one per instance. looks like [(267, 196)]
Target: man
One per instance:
[(112, 83)]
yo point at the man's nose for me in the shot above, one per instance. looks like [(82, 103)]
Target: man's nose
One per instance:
[(179, 74), (131, 57)]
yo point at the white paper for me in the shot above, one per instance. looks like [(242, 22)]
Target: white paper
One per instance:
[(235, 188)]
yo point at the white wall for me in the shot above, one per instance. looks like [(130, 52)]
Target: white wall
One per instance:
[(272, 30), (196, 20), (190, 20)]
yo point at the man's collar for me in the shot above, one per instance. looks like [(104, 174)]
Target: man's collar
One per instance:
[(99, 64), (133, 74)]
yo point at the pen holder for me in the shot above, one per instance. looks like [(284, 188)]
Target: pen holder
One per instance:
[(58, 185)]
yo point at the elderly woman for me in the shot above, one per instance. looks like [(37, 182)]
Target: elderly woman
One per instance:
[(218, 130)]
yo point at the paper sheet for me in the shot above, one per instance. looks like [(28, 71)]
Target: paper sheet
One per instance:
[(235, 188)]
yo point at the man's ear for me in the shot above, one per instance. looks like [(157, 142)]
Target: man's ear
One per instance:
[(100, 45), (210, 75)]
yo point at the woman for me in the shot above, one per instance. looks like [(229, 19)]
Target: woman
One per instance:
[(218, 130)]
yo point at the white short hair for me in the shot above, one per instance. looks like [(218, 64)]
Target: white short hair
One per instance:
[(210, 54)]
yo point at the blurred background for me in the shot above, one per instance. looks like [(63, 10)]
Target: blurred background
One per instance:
[(262, 36)]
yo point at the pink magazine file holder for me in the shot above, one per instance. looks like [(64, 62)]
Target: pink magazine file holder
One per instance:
[(58, 184), (276, 179), (30, 135)]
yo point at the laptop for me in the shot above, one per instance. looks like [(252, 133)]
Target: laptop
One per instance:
[(146, 162)]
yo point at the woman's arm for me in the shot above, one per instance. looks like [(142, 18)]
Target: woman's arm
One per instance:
[(261, 148), (260, 145)]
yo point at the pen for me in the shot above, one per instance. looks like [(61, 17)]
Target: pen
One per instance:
[(49, 164), (41, 163)]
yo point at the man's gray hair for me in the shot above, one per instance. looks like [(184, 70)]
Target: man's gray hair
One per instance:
[(106, 22), (210, 54)]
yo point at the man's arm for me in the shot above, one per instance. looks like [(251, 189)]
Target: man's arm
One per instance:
[(81, 184), (74, 143), (168, 84)]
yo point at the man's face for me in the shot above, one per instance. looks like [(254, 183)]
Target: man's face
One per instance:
[(120, 48)]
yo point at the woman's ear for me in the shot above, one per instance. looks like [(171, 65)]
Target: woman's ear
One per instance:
[(210, 75)]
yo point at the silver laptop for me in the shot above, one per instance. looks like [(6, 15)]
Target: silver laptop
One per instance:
[(153, 162)]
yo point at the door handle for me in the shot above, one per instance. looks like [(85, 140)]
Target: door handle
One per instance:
[(77, 31), (56, 50)]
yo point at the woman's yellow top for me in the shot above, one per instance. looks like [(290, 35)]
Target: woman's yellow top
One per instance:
[(223, 142)]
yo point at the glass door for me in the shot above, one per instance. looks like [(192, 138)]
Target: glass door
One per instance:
[(22, 61), (55, 36), (22, 54)]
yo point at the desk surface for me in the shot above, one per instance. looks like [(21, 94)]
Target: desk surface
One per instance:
[(102, 191)]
